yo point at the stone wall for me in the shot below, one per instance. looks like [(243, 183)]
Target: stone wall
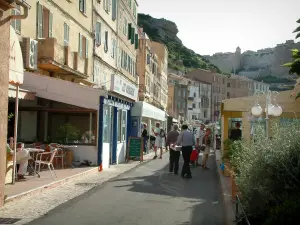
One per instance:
[(263, 62)]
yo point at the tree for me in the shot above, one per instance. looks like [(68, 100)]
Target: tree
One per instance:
[(295, 64)]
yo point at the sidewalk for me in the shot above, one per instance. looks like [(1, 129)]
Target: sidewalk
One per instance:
[(31, 206), (225, 185)]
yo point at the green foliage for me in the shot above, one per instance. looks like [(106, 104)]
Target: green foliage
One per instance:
[(269, 174), (67, 132), (274, 80), (297, 30), (11, 115), (177, 51)]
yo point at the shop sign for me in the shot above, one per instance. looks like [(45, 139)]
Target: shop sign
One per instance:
[(116, 104), (123, 87)]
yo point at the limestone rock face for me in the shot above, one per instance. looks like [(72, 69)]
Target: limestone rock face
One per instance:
[(165, 31)]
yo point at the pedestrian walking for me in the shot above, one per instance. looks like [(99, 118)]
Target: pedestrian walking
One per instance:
[(206, 144), (187, 141), (174, 155), (145, 137), (159, 134), (199, 139)]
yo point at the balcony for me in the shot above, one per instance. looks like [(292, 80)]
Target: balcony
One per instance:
[(59, 59), (190, 98)]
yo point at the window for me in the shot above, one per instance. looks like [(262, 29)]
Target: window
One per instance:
[(16, 24), (106, 5), (119, 125), (114, 10), (228, 95), (204, 113), (228, 84), (44, 22), (125, 26), (82, 6), (124, 119), (106, 42), (98, 33), (148, 59), (66, 34), (130, 3), (114, 48), (134, 9), (194, 105), (83, 46)]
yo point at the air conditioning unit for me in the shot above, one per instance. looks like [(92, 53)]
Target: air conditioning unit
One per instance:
[(30, 53)]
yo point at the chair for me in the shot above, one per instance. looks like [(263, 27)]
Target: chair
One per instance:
[(39, 162), (61, 154)]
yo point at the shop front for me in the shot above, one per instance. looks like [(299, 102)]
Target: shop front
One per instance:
[(115, 115), (144, 113)]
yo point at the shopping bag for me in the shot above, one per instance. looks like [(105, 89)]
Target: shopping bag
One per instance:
[(194, 155)]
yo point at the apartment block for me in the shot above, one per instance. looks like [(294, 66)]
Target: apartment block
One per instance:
[(57, 39), (177, 96), (128, 38), (105, 42), (162, 77), (259, 87), (223, 87)]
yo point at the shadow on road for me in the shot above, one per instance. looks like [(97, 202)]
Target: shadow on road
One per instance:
[(201, 193)]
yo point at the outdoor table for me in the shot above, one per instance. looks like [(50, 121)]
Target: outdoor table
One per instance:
[(33, 151)]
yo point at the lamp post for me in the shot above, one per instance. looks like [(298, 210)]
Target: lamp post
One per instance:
[(270, 110)]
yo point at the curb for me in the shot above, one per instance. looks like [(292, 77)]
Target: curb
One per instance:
[(61, 182), (227, 217)]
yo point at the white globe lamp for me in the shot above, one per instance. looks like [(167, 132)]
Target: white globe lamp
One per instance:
[(256, 110), (270, 109), (277, 110)]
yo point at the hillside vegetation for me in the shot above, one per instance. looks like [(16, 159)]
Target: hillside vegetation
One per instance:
[(180, 57)]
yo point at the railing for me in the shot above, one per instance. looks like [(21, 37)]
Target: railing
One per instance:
[(240, 214)]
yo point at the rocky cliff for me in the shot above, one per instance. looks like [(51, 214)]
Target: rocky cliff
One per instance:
[(180, 57)]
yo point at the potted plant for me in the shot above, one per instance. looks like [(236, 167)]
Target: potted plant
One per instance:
[(67, 132)]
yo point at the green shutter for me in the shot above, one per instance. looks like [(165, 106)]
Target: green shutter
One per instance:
[(98, 33), (132, 35), (50, 24), (129, 31), (39, 20), (80, 45), (114, 10), (86, 48), (136, 41)]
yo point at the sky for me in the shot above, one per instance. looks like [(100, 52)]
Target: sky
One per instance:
[(210, 26)]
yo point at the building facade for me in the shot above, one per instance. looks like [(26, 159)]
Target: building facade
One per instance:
[(199, 101)]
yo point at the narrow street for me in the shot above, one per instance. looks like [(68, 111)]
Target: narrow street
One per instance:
[(146, 195)]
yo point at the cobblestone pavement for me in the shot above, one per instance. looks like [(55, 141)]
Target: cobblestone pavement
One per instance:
[(147, 195), (32, 207)]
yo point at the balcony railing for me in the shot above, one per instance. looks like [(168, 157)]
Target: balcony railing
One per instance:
[(59, 59)]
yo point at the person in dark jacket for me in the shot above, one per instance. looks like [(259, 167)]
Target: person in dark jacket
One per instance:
[(174, 155), (146, 137), (236, 134)]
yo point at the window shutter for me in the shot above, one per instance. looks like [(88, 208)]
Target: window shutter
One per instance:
[(114, 10), (132, 35), (98, 33), (50, 24), (86, 48), (108, 5), (39, 20), (129, 31), (106, 42), (80, 45), (81, 5), (136, 41), (104, 4)]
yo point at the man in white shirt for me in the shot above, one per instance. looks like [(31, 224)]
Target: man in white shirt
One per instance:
[(158, 140), (199, 139)]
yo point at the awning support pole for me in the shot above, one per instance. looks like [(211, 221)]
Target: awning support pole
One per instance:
[(15, 134)]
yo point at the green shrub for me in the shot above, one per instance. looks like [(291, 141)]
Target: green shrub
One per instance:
[(269, 171)]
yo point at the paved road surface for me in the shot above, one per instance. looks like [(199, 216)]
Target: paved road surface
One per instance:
[(146, 195)]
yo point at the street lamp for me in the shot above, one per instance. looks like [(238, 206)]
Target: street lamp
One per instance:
[(270, 110)]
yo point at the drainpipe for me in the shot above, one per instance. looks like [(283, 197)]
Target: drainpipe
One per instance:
[(26, 8)]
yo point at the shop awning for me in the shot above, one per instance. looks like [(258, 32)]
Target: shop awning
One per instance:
[(23, 94), (63, 91), (143, 109), (16, 68)]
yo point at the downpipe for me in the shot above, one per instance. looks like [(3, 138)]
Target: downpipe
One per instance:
[(24, 5)]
